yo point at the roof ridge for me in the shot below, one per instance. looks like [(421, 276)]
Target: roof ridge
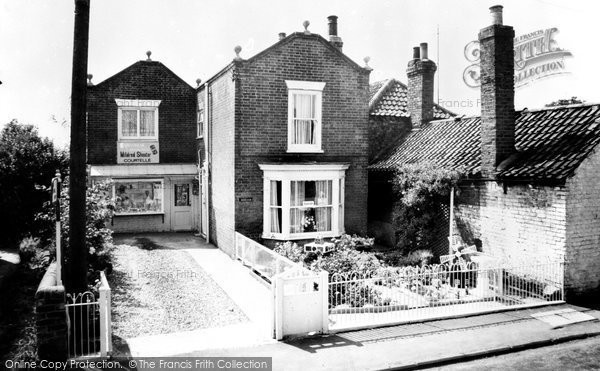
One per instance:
[(380, 93), (575, 105)]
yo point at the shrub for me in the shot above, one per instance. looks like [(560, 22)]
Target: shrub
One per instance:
[(346, 242), (420, 189), (27, 163), (290, 250), (99, 209), (347, 261)]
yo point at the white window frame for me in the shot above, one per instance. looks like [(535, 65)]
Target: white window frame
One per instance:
[(137, 105), (311, 88), (200, 122), (286, 173), (149, 180)]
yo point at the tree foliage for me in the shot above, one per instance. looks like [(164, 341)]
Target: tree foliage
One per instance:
[(420, 191), (27, 162)]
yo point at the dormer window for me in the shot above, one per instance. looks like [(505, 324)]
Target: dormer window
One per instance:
[(304, 116), (138, 119)]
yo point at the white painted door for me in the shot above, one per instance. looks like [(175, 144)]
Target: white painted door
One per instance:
[(181, 210)]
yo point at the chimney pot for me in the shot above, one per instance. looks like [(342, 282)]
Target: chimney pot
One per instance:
[(334, 39), (282, 35), (332, 25), (420, 87), (424, 55), (496, 12), (416, 52)]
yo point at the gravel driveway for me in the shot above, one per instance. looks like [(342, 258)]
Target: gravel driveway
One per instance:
[(157, 290)]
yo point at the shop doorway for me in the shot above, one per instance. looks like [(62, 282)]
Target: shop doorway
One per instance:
[(181, 212)]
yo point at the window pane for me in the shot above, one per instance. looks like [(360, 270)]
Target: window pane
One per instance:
[(304, 119), (323, 219), (309, 212), (129, 123), (138, 197), (275, 209), (323, 192), (147, 123), (182, 195)]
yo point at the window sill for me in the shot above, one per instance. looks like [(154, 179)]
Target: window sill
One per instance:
[(140, 214), (137, 139), (305, 150), (299, 236)]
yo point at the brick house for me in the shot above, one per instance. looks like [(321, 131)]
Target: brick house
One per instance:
[(532, 177), (141, 130), (283, 139)]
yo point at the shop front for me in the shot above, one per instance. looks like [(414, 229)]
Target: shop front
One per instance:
[(153, 197)]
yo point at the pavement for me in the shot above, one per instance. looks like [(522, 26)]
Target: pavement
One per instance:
[(420, 345), (410, 346)]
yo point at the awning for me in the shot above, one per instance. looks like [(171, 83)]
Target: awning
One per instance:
[(143, 170)]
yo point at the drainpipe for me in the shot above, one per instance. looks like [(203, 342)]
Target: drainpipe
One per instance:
[(451, 233), (207, 144)]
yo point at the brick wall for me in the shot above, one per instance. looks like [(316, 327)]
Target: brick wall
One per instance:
[(521, 224), (583, 231), (222, 144), (143, 80), (384, 131), (261, 127), (51, 318)]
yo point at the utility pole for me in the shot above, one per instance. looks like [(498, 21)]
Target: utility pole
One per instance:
[(77, 270)]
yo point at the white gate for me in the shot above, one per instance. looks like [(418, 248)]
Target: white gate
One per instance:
[(299, 295), (300, 304), (89, 320)]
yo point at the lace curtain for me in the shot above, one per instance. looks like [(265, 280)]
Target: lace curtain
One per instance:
[(275, 208), (146, 123), (129, 123), (297, 193), (323, 197), (304, 115)]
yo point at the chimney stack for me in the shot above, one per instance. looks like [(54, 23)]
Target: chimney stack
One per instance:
[(497, 93), (333, 32), (421, 72)]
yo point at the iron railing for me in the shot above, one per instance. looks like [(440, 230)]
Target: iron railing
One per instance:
[(406, 294)]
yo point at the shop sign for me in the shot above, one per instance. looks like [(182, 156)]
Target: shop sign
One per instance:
[(137, 153)]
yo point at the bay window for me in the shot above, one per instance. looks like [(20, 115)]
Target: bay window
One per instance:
[(137, 119), (303, 201), (304, 115), (138, 196)]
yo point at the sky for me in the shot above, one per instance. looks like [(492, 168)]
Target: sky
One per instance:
[(196, 38)]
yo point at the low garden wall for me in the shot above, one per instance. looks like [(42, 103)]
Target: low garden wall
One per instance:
[(51, 318)]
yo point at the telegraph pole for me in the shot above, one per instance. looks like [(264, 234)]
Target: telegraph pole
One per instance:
[(77, 269)]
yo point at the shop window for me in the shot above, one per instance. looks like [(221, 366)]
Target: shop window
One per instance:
[(138, 196)]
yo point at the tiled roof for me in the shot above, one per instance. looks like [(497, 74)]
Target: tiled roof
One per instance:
[(388, 98), (550, 143)]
